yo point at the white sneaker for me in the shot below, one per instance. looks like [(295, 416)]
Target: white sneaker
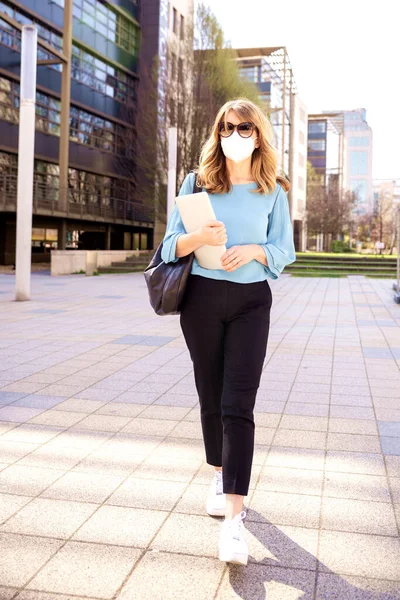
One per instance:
[(232, 542), (216, 499)]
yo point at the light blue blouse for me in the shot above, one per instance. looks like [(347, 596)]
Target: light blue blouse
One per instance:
[(249, 218)]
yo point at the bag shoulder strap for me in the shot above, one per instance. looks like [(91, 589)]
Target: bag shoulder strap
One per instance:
[(196, 188)]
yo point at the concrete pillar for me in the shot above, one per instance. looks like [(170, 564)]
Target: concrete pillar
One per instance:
[(62, 234), (108, 237)]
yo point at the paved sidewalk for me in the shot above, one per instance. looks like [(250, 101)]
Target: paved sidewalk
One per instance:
[(102, 470)]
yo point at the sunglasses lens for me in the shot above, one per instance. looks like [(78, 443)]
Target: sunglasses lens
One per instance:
[(225, 131), (245, 129)]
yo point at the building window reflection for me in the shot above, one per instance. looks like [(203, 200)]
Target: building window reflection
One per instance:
[(85, 128)]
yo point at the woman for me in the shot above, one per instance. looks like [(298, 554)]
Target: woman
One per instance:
[(225, 315)]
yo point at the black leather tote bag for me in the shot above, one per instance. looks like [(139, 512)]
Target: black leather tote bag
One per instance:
[(166, 282)]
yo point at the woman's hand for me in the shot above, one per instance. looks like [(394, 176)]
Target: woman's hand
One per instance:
[(237, 256), (213, 234)]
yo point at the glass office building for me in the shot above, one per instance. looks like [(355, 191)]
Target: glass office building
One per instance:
[(358, 135), (103, 209)]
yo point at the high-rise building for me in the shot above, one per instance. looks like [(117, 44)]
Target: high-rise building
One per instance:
[(327, 148), (165, 25), (359, 143), (271, 70), (112, 41), (358, 172)]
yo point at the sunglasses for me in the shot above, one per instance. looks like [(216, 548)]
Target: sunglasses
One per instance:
[(245, 130)]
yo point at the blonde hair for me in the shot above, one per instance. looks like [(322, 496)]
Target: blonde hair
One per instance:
[(212, 172)]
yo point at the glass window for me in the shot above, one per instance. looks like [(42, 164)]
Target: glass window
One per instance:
[(102, 76), (182, 27), (358, 162), (359, 141), (108, 22), (317, 145), (84, 127), (359, 187), (316, 126)]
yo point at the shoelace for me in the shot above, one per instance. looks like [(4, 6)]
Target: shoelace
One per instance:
[(218, 482), (236, 524)]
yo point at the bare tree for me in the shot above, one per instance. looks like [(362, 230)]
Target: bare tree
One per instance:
[(197, 77), (329, 208)]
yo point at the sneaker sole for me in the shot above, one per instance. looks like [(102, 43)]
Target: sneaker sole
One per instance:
[(236, 559), (215, 512)]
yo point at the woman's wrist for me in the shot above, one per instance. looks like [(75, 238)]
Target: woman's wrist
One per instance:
[(259, 254), (187, 243)]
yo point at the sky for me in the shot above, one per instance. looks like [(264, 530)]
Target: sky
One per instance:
[(344, 55)]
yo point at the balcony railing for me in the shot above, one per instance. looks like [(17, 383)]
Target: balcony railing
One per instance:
[(83, 204)]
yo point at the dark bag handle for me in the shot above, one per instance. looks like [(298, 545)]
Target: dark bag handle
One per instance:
[(166, 282)]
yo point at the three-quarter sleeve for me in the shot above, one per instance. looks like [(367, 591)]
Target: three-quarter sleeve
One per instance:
[(279, 249), (175, 227)]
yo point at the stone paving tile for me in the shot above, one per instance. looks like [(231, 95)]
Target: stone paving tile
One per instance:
[(63, 458), (287, 480), (272, 582), (359, 554), (189, 534), (18, 414), (170, 576), (353, 442), (108, 462), (49, 518), (147, 494), (10, 504), (297, 439), (150, 426), (122, 409), (121, 526), (354, 462), (284, 509), (298, 458), (360, 516), (364, 426), (86, 569), (39, 401), (357, 486), (330, 585), (303, 408), (390, 445), (389, 429), (8, 593), (156, 468), (27, 480), (395, 487), (11, 452), (30, 432), (82, 487), (177, 400), (22, 556), (58, 418)]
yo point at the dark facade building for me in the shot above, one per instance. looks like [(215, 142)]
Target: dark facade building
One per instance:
[(103, 209)]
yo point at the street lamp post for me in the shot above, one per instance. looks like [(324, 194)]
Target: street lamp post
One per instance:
[(26, 146), (397, 288), (172, 155)]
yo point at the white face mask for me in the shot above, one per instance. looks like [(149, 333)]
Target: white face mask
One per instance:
[(237, 148)]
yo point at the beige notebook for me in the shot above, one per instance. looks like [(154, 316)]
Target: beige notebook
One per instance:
[(195, 211)]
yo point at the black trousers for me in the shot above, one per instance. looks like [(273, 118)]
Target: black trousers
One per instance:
[(226, 327)]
